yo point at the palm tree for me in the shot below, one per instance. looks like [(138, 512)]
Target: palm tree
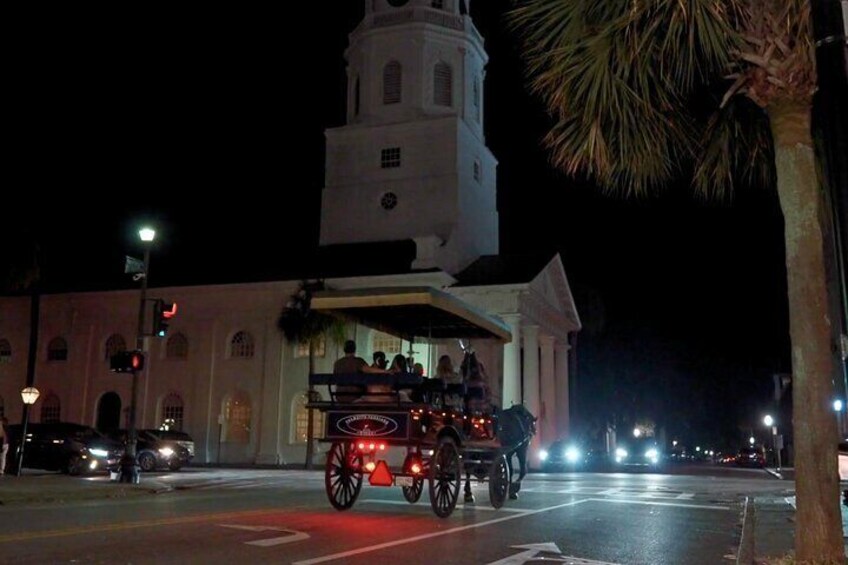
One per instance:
[(300, 324), (619, 79)]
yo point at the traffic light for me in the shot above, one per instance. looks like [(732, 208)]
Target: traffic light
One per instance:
[(126, 362), (163, 312)]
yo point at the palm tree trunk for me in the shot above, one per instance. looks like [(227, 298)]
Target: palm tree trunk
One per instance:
[(818, 528)]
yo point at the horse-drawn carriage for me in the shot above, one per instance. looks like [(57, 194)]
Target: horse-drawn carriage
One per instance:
[(442, 440)]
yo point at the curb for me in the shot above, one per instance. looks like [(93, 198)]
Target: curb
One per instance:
[(773, 472)]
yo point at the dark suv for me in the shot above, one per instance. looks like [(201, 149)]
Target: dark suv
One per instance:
[(157, 449), (63, 446)]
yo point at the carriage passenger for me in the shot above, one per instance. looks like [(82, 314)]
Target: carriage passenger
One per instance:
[(476, 379), (348, 365), (446, 372)]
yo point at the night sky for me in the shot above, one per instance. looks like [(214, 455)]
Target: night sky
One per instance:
[(211, 124)]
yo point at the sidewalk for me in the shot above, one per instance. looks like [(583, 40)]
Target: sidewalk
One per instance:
[(46, 488), (769, 529)]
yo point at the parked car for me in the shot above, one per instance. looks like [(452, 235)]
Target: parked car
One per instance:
[(64, 446), (751, 456), (156, 449)]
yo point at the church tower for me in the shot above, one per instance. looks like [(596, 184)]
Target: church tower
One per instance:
[(411, 162)]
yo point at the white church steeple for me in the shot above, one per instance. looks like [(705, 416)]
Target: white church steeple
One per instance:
[(411, 162)]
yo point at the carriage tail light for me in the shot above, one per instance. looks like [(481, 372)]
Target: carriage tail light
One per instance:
[(361, 447), (370, 466), (415, 468)]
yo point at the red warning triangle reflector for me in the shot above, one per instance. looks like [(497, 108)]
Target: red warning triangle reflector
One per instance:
[(381, 476)]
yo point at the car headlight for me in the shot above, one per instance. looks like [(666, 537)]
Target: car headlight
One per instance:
[(166, 451), (620, 453), (543, 455), (572, 455), (652, 454), (98, 452)]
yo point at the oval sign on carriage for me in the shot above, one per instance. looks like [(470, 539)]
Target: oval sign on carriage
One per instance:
[(365, 425)]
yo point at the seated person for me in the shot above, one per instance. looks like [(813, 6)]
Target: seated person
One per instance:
[(479, 393), (349, 364), (385, 393), (380, 361), (446, 372)]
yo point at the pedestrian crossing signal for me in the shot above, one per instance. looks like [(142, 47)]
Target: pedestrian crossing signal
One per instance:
[(126, 362)]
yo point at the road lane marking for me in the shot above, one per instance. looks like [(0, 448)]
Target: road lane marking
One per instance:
[(26, 536), (658, 503), (292, 535), (414, 539)]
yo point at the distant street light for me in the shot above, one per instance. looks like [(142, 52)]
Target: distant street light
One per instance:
[(837, 405), (751, 440), (637, 432), (129, 464), (769, 421), (29, 395)]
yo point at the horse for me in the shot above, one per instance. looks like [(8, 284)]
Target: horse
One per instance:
[(516, 428)]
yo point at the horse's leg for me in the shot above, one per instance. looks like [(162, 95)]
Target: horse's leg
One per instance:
[(513, 491), (469, 496), (515, 486)]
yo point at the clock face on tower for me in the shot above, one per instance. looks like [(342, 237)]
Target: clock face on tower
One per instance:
[(397, 3)]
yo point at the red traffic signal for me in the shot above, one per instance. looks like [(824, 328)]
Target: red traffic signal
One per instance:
[(163, 313), (126, 362)]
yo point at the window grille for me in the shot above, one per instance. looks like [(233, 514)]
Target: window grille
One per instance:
[(390, 158)]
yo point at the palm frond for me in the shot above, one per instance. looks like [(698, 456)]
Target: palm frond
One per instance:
[(301, 324), (736, 149), (615, 77)]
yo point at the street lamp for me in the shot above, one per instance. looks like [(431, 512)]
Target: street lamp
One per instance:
[(129, 464), (29, 395), (769, 422)]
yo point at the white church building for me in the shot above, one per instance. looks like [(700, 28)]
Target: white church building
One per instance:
[(410, 163)]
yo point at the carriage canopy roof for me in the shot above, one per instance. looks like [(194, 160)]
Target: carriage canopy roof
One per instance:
[(413, 312)]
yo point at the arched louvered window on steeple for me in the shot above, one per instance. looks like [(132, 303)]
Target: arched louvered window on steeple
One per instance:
[(442, 84), (392, 75)]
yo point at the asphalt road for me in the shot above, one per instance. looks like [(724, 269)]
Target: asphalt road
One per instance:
[(274, 516)]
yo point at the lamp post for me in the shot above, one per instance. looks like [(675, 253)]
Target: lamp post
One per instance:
[(769, 422), (129, 464), (29, 395)]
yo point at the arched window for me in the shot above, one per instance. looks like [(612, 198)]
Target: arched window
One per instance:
[(319, 348), (177, 347), (237, 418), (392, 79), (5, 351), (443, 84), (387, 343), (51, 409), (300, 416), (172, 412), (57, 349), (241, 345), (115, 344)]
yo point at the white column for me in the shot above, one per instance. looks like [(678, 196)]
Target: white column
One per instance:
[(561, 377), (548, 395), (511, 388), (531, 383)]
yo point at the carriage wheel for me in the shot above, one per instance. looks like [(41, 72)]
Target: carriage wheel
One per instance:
[(445, 476), (413, 494), (498, 481), (343, 475)]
